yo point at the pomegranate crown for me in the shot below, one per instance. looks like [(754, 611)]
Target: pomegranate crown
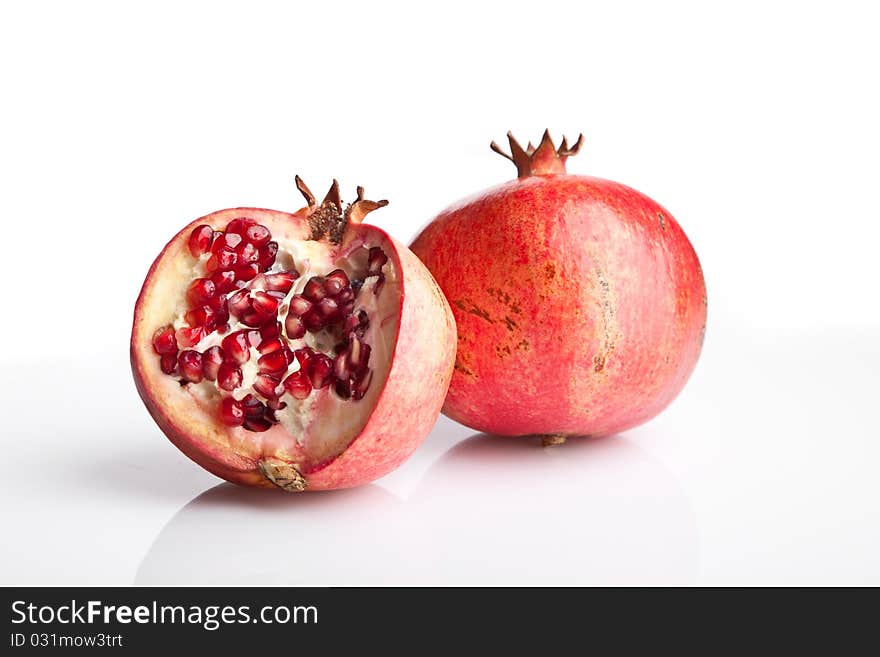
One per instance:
[(543, 160), (329, 219)]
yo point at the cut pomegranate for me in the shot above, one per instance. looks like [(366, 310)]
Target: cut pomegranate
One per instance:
[(580, 302), (268, 344)]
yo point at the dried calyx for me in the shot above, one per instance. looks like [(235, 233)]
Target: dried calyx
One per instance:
[(329, 219), (543, 160)]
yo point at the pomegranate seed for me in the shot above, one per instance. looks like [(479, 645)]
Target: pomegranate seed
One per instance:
[(365, 355), (236, 347), (321, 371), (343, 389), (265, 304), (328, 307), (229, 376), (281, 281), (340, 366), (224, 281), (313, 321), (351, 323), (222, 328), (335, 282), (256, 320), (257, 235), (268, 386), (299, 305), (252, 406), (376, 259), (168, 363), (294, 327), (227, 260), (247, 272), (204, 316), (222, 261), (255, 337), (164, 341), (240, 225), (231, 412), (298, 385), (239, 303), (248, 253), (344, 296), (189, 363), (270, 331), (190, 337), (314, 289), (257, 424), (200, 240), (270, 345), (200, 291), (276, 405), (361, 386), (226, 242), (217, 303), (212, 359), (274, 362), (304, 358), (355, 352), (267, 259)]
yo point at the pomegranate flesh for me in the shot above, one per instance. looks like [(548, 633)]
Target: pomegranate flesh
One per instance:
[(580, 303), (299, 351)]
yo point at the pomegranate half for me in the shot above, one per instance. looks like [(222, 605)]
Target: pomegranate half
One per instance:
[(301, 351), (580, 303)]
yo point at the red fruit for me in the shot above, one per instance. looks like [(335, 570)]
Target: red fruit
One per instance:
[(580, 303), (224, 281), (200, 240), (237, 347), (239, 225), (189, 364), (231, 412), (212, 359), (257, 235), (281, 281), (164, 341), (253, 420), (190, 337), (298, 385), (229, 376), (200, 291)]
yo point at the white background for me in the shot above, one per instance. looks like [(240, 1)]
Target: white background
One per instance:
[(756, 124)]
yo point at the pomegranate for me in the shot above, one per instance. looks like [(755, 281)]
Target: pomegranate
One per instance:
[(580, 303), (301, 351)]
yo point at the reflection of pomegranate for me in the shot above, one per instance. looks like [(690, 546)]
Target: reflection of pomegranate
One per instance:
[(304, 351), (580, 303)]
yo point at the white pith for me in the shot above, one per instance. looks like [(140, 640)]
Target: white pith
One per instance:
[(323, 424)]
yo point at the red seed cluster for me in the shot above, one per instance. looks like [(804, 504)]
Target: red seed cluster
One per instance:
[(238, 255), (325, 300), (239, 286)]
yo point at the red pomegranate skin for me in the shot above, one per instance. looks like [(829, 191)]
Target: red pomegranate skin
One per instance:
[(580, 305)]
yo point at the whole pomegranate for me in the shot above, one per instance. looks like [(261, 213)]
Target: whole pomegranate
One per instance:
[(580, 303), (302, 351)]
